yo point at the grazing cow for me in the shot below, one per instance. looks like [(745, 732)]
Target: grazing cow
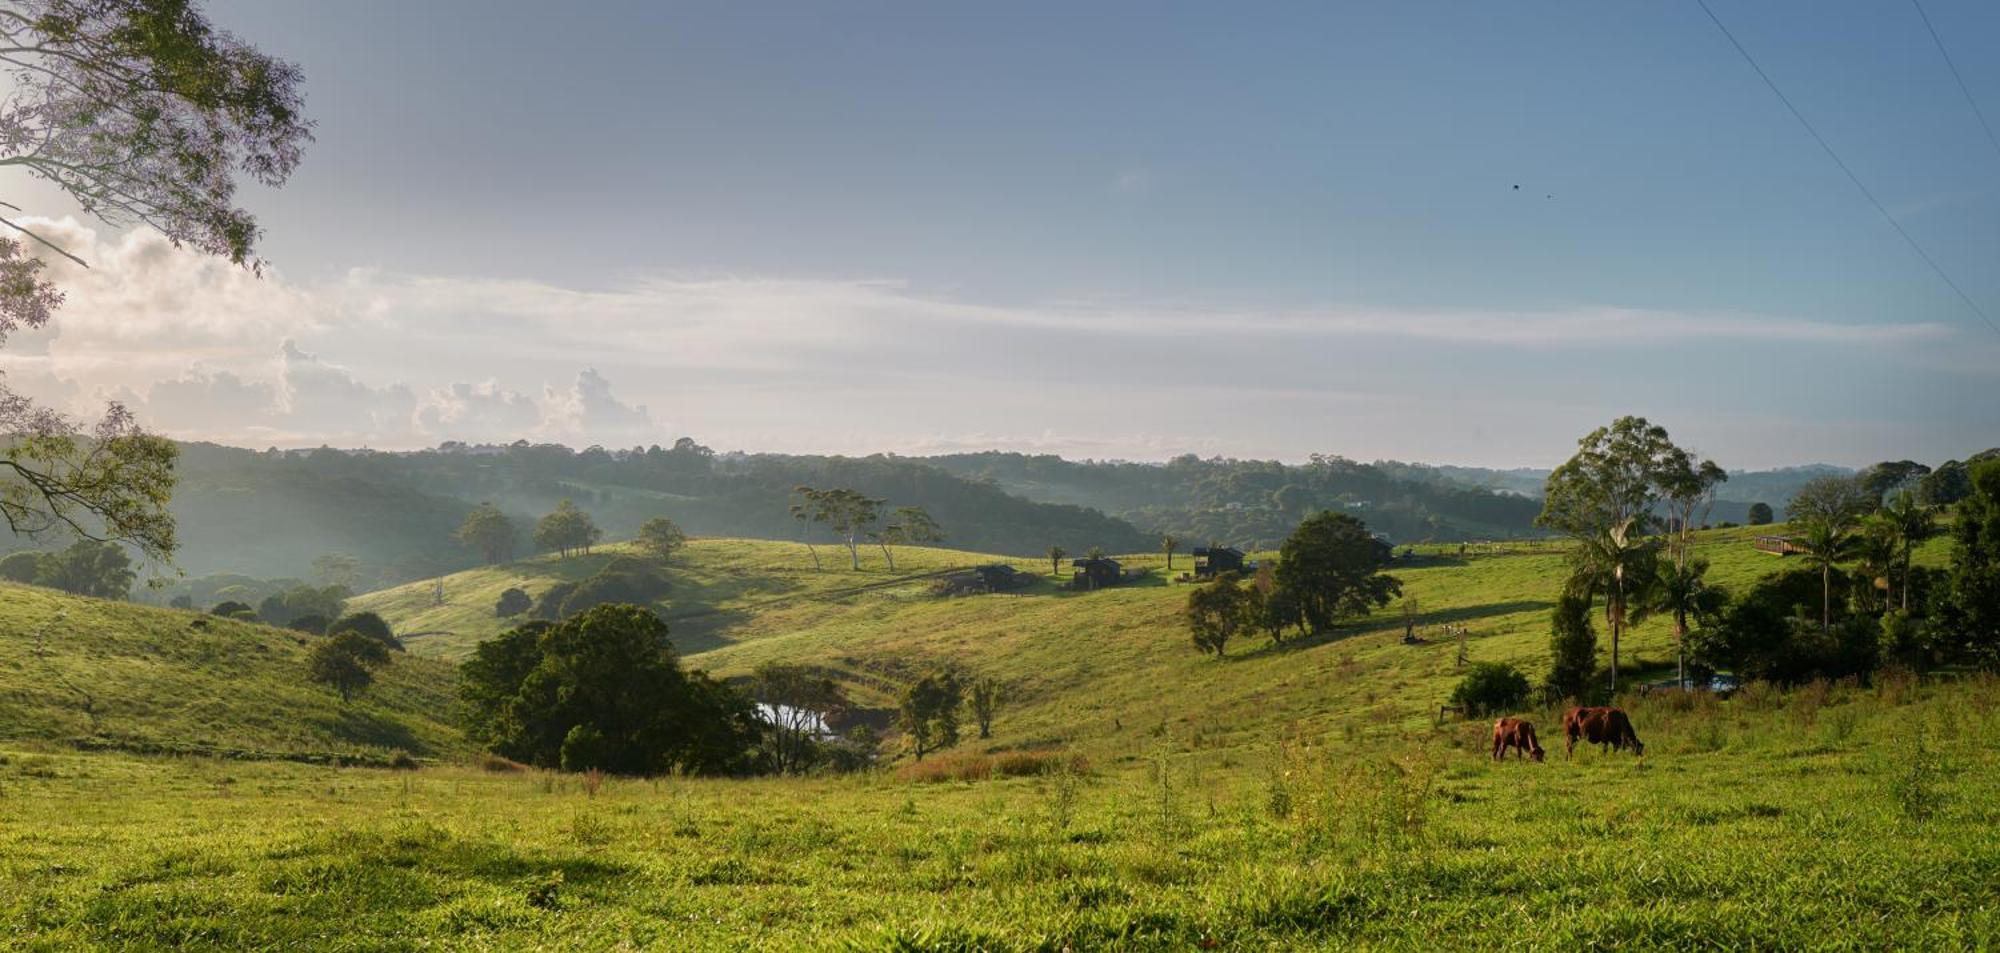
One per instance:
[(1518, 735), (1608, 728)]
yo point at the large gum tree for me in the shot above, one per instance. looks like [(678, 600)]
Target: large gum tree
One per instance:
[(146, 115)]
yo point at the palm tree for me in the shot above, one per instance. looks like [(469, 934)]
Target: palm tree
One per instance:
[(1619, 562), (1169, 542), (1876, 546), (1056, 554), (1911, 520), (1825, 543), (1682, 590)]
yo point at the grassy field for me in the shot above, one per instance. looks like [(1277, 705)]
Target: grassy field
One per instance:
[(1829, 818), (117, 675), (1303, 796), (1099, 671)]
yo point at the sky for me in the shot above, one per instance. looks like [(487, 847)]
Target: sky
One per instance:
[(1448, 232)]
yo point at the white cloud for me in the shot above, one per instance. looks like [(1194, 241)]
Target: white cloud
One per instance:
[(484, 412), (586, 410), (210, 351)]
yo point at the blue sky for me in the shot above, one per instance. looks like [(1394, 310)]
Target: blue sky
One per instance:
[(1141, 230)]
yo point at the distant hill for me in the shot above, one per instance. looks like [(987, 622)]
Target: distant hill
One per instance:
[(1732, 499), (117, 675), (269, 514), (1256, 503)]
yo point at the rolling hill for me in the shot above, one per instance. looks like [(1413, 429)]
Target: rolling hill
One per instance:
[(1092, 669), (114, 675)]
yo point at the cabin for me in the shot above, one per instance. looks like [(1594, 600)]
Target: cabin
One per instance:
[(1212, 561), (1095, 572), (982, 579), (1778, 545)]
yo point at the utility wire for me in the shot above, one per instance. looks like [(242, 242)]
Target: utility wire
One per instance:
[(1851, 177), (1962, 88)]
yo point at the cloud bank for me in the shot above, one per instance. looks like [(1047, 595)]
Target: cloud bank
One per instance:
[(205, 350)]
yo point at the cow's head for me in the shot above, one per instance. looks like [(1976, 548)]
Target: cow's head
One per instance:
[(1535, 753)]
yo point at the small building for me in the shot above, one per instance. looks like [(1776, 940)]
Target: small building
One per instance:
[(1095, 572), (1778, 545), (983, 579), (1212, 561)]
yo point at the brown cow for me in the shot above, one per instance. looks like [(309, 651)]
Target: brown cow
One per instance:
[(1518, 735), (1606, 727)]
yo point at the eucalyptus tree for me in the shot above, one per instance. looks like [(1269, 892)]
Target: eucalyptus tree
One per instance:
[(661, 537), (848, 513), (144, 114), (1605, 497), (909, 526), (489, 531), (1687, 491), (801, 509)]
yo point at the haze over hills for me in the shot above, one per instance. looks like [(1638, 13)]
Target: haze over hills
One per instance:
[(269, 514)]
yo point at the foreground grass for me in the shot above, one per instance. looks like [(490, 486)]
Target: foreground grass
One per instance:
[(1816, 819)]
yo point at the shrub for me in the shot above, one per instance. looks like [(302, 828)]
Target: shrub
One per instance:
[(498, 765), (402, 761), (20, 567), (1490, 687), (979, 767), (513, 602), (610, 588), (315, 624), (1572, 648), (234, 610), (369, 625)]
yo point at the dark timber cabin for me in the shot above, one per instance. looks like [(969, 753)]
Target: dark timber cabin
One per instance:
[(1094, 573), (1211, 561)]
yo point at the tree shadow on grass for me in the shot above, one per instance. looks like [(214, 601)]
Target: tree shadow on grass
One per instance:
[(1384, 623), (366, 728), (698, 629)]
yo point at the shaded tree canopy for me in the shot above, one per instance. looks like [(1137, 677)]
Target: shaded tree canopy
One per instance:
[(661, 537), (929, 712), (1971, 611), (604, 690), (1331, 567), (512, 602), (346, 662), (567, 529), (87, 567), (368, 625), (490, 532), (1218, 612)]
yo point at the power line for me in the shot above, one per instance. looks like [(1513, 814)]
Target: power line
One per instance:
[(1851, 177), (1962, 88)]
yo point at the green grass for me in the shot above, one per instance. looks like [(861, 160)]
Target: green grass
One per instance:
[(1304, 796), (717, 583), (116, 675), (1764, 822)]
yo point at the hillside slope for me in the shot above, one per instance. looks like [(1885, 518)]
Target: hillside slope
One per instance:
[(1099, 670), (117, 675)]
